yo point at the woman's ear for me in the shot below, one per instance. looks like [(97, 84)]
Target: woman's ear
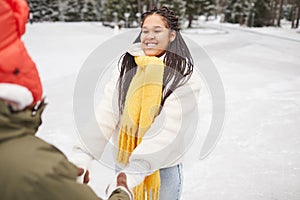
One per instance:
[(172, 36)]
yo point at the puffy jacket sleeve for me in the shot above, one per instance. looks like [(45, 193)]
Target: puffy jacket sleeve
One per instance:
[(107, 118), (20, 9)]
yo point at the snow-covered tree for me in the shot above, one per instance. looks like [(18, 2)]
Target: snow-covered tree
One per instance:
[(44, 10), (35, 9), (263, 16), (207, 7), (52, 10), (116, 9), (238, 11), (89, 12), (98, 9), (72, 11), (65, 10), (253, 12), (192, 10), (296, 14), (220, 6), (178, 6)]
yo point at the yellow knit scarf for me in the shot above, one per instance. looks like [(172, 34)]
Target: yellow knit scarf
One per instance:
[(142, 104)]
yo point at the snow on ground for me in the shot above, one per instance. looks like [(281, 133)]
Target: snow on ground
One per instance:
[(214, 26), (258, 154)]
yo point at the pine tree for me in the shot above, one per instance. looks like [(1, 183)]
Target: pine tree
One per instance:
[(118, 8), (133, 10), (65, 10), (81, 5), (238, 11), (89, 12), (72, 12), (98, 9), (178, 6), (279, 12), (44, 10), (297, 14), (52, 11), (263, 16), (273, 11), (35, 9), (192, 8), (207, 8)]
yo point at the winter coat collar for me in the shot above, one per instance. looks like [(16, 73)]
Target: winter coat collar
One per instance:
[(136, 50), (15, 124)]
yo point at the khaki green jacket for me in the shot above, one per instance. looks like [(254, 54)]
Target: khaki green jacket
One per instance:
[(33, 169)]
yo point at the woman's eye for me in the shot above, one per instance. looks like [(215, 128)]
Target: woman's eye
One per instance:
[(157, 31), (145, 32)]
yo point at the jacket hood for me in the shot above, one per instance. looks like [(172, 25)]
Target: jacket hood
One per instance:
[(15, 124), (16, 65)]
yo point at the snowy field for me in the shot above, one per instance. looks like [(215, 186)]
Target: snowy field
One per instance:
[(258, 154)]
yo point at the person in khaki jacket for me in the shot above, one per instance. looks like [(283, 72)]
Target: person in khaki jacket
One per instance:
[(32, 169)]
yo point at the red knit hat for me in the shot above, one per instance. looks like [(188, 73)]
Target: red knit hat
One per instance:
[(16, 66)]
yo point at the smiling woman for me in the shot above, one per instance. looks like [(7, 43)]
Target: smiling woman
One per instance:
[(157, 94)]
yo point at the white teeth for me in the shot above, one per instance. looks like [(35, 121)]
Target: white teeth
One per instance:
[(150, 45)]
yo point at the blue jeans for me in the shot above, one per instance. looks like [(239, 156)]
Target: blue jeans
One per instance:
[(171, 183)]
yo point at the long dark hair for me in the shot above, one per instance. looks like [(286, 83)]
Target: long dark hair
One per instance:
[(178, 60)]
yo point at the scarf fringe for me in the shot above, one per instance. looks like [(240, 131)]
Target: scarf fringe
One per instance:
[(127, 144), (149, 189)]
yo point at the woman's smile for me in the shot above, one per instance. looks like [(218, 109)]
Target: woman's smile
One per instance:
[(151, 44)]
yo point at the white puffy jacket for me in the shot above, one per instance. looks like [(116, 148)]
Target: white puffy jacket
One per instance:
[(164, 143)]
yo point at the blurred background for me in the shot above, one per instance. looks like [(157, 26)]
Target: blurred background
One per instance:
[(251, 13)]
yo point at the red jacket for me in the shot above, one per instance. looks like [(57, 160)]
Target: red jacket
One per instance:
[(16, 66)]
